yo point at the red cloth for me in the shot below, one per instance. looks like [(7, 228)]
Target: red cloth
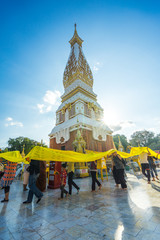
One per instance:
[(63, 177)]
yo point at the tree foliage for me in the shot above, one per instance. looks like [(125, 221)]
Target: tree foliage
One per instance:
[(123, 141), (16, 144), (141, 138), (145, 139)]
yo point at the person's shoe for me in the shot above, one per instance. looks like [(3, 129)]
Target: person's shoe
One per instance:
[(25, 202), (39, 199), (100, 187), (157, 177), (149, 182), (4, 200), (153, 179), (60, 198), (78, 191), (26, 189), (117, 185), (93, 190)]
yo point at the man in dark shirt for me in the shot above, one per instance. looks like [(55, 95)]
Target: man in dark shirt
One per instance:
[(34, 170), (119, 168)]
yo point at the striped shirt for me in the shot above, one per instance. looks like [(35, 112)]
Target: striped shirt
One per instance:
[(9, 174)]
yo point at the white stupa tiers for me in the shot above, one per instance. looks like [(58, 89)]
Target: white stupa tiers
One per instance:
[(79, 107)]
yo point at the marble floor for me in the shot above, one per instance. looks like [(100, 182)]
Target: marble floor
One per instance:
[(108, 214)]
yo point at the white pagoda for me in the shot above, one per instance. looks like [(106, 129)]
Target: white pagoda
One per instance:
[(79, 108)]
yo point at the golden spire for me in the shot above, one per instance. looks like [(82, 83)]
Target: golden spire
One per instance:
[(120, 146), (23, 154), (77, 67), (75, 37)]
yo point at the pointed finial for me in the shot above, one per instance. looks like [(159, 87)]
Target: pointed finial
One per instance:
[(75, 25)]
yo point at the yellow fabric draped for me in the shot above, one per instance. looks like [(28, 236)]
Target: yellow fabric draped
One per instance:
[(139, 150), (48, 154), (13, 156)]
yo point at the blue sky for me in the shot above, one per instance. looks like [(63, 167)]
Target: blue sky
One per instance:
[(121, 45)]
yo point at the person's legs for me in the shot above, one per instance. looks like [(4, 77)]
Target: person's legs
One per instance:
[(151, 171), (155, 171), (121, 178), (148, 172), (93, 174), (6, 191), (33, 187), (115, 175), (25, 187), (65, 191), (62, 190), (143, 165), (73, 183), (98, 183), (70, 176)]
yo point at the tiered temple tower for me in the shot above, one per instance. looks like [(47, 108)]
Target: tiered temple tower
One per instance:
[(79, 108)]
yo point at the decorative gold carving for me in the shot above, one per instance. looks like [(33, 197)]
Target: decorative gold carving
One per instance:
[(75, 38), (77, 68), (79, 144), (79, 89), (100, 137), (62, 139), (92, 105), (67, 106)]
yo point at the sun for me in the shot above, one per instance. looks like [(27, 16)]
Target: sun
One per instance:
[(111, 117)]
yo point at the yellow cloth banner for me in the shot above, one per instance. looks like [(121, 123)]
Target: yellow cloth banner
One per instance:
[(48, 154), (139, 150), (13, 156)]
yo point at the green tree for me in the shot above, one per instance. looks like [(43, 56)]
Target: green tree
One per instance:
[(123, 141), (142, 138), (16, 144), (155, 145)]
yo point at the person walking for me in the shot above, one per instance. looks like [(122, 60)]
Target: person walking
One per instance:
[(70, 178), (152, 167), (41, 180), (93, 170), (63, 181), (34, 170), (143, 158), (25, 177), (7, 178), (119, 166)]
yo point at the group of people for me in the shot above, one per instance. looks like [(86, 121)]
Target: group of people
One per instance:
[(35, 176), (148, 166), (71, 183)]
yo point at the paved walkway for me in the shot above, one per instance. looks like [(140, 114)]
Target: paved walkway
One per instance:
[(109, 213)]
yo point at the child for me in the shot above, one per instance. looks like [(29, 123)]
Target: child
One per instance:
[(63, 181)]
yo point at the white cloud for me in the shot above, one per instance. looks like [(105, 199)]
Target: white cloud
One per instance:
[(51, 97), (50, 100), (10, 122), (122, 125), (96, 66), (9, 119)]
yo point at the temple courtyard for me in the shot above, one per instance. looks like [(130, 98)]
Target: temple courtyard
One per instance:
[(109, 213)]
